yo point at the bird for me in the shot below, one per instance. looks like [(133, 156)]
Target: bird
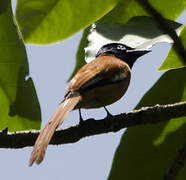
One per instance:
[(98, 83)]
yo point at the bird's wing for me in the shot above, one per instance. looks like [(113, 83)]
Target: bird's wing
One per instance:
[(103, 69)]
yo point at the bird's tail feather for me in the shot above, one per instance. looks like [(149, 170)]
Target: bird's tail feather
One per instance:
[(49, 129)]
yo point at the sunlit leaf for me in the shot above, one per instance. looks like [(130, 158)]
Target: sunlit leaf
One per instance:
[(173, 61), (125, 10), (46, 21), (140, 32)]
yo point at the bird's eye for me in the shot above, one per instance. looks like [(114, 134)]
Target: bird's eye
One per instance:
[(121, 47)]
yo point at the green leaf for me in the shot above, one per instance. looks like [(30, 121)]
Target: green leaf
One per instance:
[(173, 61), (46, 21), (127, 9), (123, 13), (146, 152), (80, 55), (140, 32), (19, 107), (4, 5)]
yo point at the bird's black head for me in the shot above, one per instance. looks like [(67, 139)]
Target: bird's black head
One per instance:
[(122, 51)]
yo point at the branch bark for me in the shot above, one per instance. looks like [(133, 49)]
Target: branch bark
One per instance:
[(147, 115), (161, 22)]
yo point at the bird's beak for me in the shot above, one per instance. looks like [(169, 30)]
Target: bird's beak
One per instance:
[(138, 52)]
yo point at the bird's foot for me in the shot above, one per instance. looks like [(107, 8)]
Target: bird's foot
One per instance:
[(108, 113), (81, 121)]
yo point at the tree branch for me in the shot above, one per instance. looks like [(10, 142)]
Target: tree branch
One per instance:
[(177, 164), (148, 115), (161, 22)]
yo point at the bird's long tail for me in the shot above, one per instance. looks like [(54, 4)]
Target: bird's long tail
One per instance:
[(49, 129)]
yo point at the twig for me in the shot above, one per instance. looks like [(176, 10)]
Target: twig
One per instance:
[(177, 164), (164, 26), (148, 115)]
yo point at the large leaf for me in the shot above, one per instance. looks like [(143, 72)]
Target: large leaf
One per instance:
[(173, 61), (140, 32), (80, 55), (123, 13), (127, 9), (46, 21), (146, 152), (4, 5), (19, 107)]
